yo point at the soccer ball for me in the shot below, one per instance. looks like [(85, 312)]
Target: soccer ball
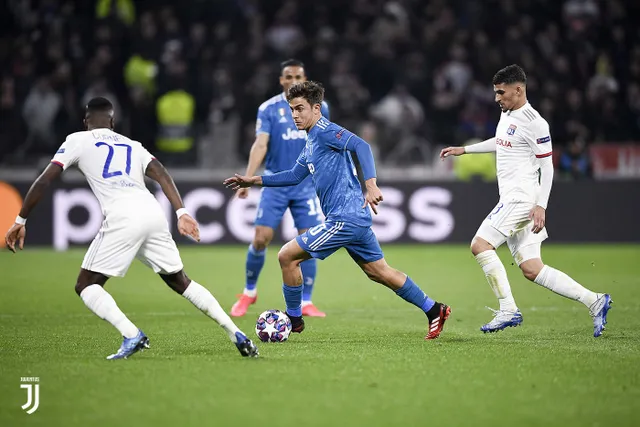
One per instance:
[(273, 325)]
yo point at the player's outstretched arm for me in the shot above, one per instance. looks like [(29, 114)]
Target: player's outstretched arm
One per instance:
[(256, 157), (288, 178), (239, 182), (486, 146), (17, 232), (187, 225), (451, 151)]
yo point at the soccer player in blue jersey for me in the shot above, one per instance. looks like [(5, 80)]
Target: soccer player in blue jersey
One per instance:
[(278, 139), (327, 158)]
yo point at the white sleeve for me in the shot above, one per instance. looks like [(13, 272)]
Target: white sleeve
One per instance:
[(145, 158), (486, 146), (539, 139), (546, 180), (69, 152)]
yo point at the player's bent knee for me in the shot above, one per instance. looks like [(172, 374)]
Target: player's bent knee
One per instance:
[(479, 245), (529, 274), (260, 244), (177, 281), (80, 287), (285, 257), (531, 268), (87, 278), (262, 238)]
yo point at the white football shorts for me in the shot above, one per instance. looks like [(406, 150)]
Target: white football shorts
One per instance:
[(509, 222), (124, 237)]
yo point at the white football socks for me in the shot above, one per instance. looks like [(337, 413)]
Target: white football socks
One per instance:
[(496, 275), (561, 284), (199, 296), (250, 293), (104, 306)]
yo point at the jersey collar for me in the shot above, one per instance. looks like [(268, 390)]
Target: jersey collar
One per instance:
[(519, 109), (313, 131)]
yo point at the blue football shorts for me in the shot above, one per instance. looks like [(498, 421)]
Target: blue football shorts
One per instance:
[(305, 208), (326, 238)]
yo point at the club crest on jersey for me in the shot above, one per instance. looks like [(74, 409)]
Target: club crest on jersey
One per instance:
[(512, 129), (283, 117), (60, 151)]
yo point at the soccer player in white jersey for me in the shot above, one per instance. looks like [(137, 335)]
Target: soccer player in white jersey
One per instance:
[(525, 175), (134, 226)]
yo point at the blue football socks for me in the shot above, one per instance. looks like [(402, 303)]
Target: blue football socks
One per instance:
[(309, 268), (255, 261), (412, 293), (293, 299)]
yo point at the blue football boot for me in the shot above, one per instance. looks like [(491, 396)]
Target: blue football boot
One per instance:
[(130, 346), (246, 347), (501, 320), (599, 310)]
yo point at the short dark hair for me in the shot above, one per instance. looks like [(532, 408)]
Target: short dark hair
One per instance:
[(99, 105), (311, 91), (510, 74), (291, 63)]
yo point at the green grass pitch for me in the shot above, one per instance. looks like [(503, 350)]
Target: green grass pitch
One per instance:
[(366, 364)]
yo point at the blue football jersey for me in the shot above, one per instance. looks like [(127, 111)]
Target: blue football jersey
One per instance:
[(285, 140), (334, 174)]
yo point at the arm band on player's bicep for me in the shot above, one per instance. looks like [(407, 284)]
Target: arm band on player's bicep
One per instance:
[(486, 146), (546, 180), (286, 178), (365, 156)]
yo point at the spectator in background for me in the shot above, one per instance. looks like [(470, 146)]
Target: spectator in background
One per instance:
[(41, 113), (99, 89), (175, 112), (122, 10), (574, 162), (582, 57), (11, 130), (400, 116)]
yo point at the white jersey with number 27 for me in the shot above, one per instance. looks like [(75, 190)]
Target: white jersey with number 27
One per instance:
[(113, 165)]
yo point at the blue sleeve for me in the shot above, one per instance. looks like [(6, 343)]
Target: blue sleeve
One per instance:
[(263, 122), (365, 155), (324, 109), (293, 176)]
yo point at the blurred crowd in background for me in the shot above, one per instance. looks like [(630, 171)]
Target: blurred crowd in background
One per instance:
[(409, 75)]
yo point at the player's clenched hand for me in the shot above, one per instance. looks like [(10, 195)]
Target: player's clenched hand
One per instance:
[(187, 226), (238, 181), (537, 214), (15, 234), (372, 197), (451, 151)]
